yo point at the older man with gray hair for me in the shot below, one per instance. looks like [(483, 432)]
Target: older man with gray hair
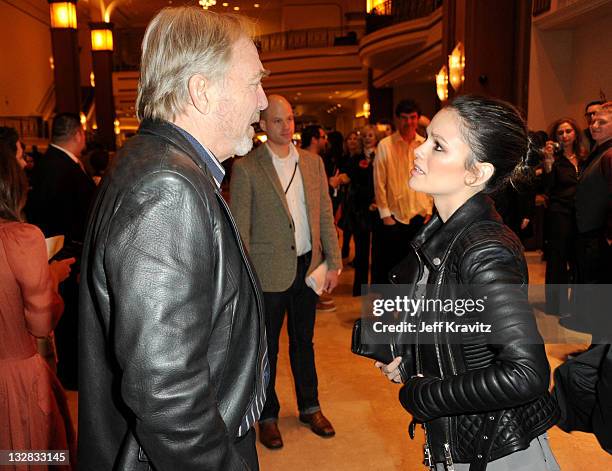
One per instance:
[(172, 335)]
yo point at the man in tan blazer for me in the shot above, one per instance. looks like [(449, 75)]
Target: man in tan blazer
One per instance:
[(280, 201)]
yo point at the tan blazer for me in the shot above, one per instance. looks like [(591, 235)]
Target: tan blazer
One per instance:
[(260, 208)]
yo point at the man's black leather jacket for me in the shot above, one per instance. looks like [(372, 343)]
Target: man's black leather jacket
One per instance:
[(485, 397), (171, 316)]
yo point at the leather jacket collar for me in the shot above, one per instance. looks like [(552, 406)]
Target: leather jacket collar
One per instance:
[(435, 239), (170, 133)]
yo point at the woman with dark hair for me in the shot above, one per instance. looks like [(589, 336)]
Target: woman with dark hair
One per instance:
[(563, 156), (33, 410), (10, 138), (482, 396)]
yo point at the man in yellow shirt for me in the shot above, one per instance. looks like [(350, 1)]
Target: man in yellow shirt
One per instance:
[(402, 210)]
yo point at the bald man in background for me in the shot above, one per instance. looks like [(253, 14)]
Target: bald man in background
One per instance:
[(281, 204)]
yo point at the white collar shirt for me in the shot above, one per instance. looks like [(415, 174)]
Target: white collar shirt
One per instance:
[(392, 166), (296, 199)]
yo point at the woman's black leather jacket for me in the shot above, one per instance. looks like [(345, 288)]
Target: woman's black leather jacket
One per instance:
[(485, 396)]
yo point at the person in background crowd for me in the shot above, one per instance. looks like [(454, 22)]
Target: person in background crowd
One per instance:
[(386, 127), (98, 159), (33, 410), (594, 226), (516, 205), (334, 158), (369, 133), (496, 384), (353, 152), (371, 136), (281, 203), (563, 156), (589, 111), (359, 213), (172, 335), (10, 138), (316, 140), (58, 203), (402, 210)]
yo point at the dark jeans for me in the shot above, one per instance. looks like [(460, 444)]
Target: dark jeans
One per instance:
[(560, 257), (391, 244), (300, 303), (245, 446)]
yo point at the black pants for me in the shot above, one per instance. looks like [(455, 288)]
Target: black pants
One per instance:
[(245, 446), (593, 267), (391, 244), (560, 257), (361, 263), (66, 334), (300, 303)]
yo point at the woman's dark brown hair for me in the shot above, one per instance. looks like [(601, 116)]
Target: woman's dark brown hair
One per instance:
[(577, 147), (13, 185)]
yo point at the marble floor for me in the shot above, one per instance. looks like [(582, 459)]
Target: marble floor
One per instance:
[(371, 426)]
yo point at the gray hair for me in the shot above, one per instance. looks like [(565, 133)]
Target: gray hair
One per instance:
[(178, 44)]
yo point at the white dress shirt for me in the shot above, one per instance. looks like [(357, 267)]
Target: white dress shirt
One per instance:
[(392, 166), (296, 200)]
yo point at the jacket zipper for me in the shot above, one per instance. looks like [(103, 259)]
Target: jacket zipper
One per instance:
[(448, 459), (257, 295)]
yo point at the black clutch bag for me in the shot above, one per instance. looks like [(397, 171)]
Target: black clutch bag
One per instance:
[(379, 352)]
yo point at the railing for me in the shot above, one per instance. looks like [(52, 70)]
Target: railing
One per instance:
[(308, 38), (26, 126), (401, 10), (540, 6)]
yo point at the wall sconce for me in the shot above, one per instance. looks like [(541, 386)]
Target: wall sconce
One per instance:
[(92, 80), (101, 36), (442, 83), (63, 14), (456, 66), (365, 112), (83, 119), (117, 126)]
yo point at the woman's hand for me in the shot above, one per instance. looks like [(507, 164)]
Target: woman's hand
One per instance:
[(391, 370), (60, 270)]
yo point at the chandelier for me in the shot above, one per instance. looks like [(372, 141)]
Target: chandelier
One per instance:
[(207, 3)]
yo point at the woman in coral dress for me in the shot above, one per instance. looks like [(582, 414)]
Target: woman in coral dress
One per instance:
[(33, 410)]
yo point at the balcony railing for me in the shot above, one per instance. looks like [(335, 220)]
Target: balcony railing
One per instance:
[(26, 126), (401, 10), (308, 38)]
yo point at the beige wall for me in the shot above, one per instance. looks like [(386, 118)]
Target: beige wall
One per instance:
[(568, 69), (25, 74), (312, 15)]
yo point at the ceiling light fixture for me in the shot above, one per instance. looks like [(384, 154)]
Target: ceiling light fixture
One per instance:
[(207, 3)]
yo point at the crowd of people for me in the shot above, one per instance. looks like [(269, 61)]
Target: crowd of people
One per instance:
[(177, 296)]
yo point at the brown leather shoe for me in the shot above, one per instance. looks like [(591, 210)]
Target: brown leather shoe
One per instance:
[(318, 424), (269, 435)]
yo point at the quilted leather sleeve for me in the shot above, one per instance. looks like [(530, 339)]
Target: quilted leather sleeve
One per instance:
[(520, 372)]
